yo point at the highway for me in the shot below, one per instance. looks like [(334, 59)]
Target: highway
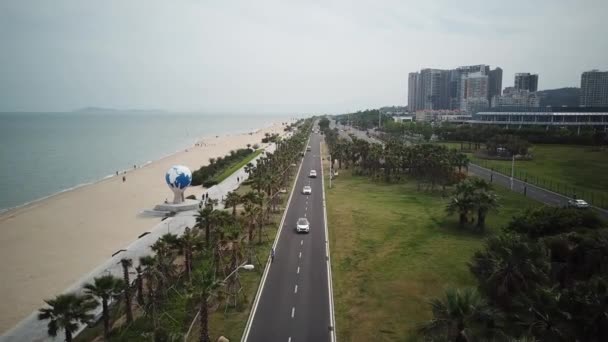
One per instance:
[(537, 193), (294, 302)]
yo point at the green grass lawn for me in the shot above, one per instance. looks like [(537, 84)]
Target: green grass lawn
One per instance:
[(393, 249), (565, 169), (234, 167)]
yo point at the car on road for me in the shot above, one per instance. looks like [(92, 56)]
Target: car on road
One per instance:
[(307, 190), (302, 226), (313, 174), (308, 148), (578, 203)]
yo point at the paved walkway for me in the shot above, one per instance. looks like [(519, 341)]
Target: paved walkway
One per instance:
[(31, 329)]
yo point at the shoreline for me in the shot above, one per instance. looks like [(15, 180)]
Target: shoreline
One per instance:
[(49, 243), (32, 203)]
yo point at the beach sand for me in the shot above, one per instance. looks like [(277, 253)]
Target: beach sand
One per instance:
[(48, 245)]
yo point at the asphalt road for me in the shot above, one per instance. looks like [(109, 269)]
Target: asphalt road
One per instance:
[(294, 303)]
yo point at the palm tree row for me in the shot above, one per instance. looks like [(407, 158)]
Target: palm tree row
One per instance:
[(429, 164), (193, 261)]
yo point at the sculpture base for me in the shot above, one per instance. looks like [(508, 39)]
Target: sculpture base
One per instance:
[(188, 204)]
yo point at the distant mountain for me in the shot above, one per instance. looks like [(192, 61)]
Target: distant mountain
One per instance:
[(113, 110), (560, 97)]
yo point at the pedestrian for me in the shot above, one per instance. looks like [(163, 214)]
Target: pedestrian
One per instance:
[(271, 254), (117, 173), (237, 179), (124, 179)]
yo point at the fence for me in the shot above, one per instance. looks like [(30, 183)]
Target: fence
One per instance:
[(598, 199)]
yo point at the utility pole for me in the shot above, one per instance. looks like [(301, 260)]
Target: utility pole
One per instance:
[(330, 173), (512, 170), (379, 119)]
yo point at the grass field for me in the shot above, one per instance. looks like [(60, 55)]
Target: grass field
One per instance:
[(393, 249), (233, 168), (565, 169)]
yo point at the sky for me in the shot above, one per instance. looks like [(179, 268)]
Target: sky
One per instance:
[(278, 56)]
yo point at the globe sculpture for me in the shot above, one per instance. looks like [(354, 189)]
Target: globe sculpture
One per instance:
[(178, 178)]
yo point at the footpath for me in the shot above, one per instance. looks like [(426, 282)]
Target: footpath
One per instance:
[(34, 330)]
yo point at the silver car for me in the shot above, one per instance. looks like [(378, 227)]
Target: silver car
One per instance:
[(302, 226), (307, 190), (578, 203)]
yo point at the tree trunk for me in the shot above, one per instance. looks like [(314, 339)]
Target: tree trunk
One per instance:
[(234, 210), (128, 306), (187, 262), (463, 219), (140, 289), (481, 220), (68, 336), (207, 229), (250, 232), (260, 233), (204, 319), (106, 318)]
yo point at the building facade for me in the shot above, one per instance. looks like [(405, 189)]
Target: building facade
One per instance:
[(526, 81), (457, 89), (514, 98), (594, 89)]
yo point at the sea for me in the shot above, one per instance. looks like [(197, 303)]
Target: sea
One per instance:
[(42, 154)]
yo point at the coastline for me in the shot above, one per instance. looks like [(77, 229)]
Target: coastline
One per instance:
[(9, 210), (49, 243)]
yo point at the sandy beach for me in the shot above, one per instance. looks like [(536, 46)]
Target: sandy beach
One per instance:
[(47, 245)]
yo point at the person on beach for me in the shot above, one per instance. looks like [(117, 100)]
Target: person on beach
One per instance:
[(124, 179), (117, 173), (237, 179)]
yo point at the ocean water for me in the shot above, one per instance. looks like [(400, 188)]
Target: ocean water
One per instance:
[(44, 153)]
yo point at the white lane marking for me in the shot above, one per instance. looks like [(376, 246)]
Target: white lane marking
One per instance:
[(295, 290), (301, 242), (298, 272), (300, 255), (258, 294), (293, 311), (304, 214), (289, 339)]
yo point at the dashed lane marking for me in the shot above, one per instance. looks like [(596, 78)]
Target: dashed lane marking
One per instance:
[(295, 290), (293, 311)]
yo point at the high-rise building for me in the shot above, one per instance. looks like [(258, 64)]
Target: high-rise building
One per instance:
[(526, 81), (495, 87), (437, 89), (594, 88), (434, 88), (413, 87)]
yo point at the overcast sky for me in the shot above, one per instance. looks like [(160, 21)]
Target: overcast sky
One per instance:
[(278, 56)]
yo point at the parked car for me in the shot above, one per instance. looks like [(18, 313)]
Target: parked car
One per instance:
[(302, 226), (313, 174), (578, 203), (307, 190), (308, 148)]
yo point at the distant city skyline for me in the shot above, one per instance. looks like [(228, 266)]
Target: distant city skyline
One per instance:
[(273, 56)]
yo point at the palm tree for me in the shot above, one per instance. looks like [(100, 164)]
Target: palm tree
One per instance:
[(463, 201), (139, 282), (232, 200), (456, 314), (204, 285), (105, 288), (485, 201), (126, 263), (203, 220), (66, 312)]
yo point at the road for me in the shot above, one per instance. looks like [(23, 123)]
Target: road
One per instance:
[(294, 303), (537, 193)]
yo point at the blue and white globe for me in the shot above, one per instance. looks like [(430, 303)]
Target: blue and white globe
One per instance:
[(178, 177)]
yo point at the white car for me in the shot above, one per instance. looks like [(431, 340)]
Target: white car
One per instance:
[(578, 203), (307, 190), (313, 174), (302, 226)]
